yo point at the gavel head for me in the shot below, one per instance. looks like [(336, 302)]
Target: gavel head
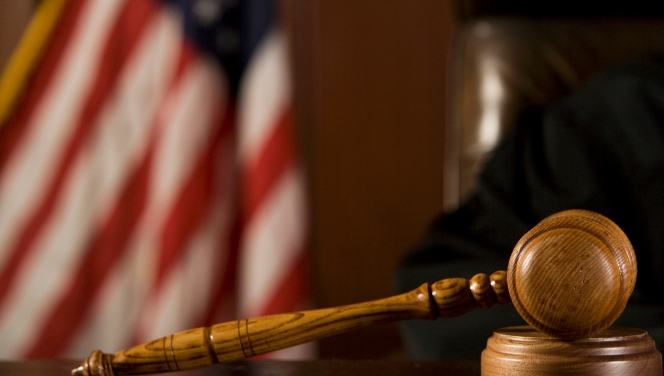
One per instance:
[(572, 274)]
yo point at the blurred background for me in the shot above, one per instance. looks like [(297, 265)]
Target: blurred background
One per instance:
[(370, 92)]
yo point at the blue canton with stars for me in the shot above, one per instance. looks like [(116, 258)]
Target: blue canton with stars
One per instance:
[(229, 30)]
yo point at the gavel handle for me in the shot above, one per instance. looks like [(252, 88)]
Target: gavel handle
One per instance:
[(237, 340)]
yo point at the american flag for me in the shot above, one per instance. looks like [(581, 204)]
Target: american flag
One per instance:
[(149, 181)]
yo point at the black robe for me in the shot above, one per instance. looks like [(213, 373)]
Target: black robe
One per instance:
[(600, 149)]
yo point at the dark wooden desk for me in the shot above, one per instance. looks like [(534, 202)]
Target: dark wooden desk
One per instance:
[(274, 368)]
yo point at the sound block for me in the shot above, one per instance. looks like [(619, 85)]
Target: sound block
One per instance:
[(522, 350)]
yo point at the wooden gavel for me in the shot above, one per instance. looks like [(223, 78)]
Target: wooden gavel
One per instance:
[(569, 277)]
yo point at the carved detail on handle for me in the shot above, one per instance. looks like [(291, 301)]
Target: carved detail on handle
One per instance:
[(97, 363), (237, 340)]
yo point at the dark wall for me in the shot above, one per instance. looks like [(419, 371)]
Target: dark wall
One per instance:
[(370, 93)]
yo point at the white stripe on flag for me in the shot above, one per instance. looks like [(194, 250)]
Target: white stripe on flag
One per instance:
[(186, 129), (271, 242), (187, 122), (264, 93)]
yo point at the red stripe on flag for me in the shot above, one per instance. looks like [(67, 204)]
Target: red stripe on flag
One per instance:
[(193, 202), (290, 291), (104, 251), (275, 156), (121, 41), (11, 133)]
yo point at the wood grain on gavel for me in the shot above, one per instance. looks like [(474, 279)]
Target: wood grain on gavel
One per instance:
[(569, 277)]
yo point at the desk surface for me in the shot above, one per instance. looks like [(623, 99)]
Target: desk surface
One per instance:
[(273, 368)]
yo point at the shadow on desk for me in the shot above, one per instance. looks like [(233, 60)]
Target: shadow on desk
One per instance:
[(274, 368)]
